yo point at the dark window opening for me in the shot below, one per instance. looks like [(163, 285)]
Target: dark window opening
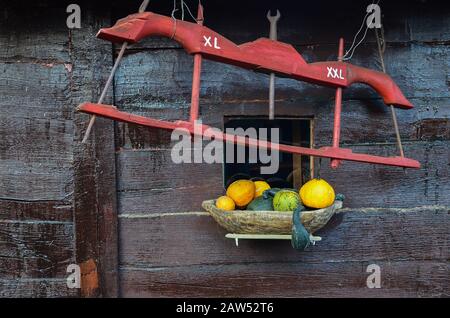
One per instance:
[(294, 170)]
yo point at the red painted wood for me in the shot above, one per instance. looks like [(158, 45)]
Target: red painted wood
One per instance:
[(112, 112), (263, 55), (195, 95), (337, 110)]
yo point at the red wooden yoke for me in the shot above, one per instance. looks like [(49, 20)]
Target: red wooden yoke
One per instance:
[(262, 55)]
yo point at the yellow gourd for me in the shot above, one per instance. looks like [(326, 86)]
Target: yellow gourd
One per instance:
[(242, 192), (317, 193), (260, 187), (225, 203)]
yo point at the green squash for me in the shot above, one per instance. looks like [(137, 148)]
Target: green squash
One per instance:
[(270, 193), (260, 204), (286, 200)]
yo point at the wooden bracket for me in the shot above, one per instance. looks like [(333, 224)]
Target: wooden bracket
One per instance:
[(286, 237)]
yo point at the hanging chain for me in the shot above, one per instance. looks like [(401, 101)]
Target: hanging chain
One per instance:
[(142, 8), (381, 44)]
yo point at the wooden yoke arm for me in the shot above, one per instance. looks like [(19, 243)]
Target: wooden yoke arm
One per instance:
[(262, 55)]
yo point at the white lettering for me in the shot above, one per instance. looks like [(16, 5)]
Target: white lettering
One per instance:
[(335, 72), (208, 42)]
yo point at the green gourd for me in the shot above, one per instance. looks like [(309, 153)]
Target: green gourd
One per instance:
[(301, 238), (286, 200), (261, 204), (270, 193)]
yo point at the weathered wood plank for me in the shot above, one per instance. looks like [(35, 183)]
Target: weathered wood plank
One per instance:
[(153, 265), (310, 23), (107, 210), (161, 78), (40, 89), (35, 74), (35, 180), (36, 236), (35, 151), (36, 288), (223, 94), (356, 234), (154, 169), (381, 186), (398, 279), (433, 129), (24, 136), (362, 121), (167, 200), (159, 185), (42, 39), (130, 136), (149, 182), (35, 249), (60, 211), (94, 164), (36, 158)]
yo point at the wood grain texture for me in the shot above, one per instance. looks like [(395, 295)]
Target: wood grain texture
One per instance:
[(399, 279), (149, 188), (155, 80), (35, 40), (318, 22), (46, 70), (59, 211), (107, 212), (381, 186), (152, 242), (362, 121), (37, 233), (36, 288), (35, 249), (413, 259), (94, 164), (149, 182), (158, 77), (35, 149)]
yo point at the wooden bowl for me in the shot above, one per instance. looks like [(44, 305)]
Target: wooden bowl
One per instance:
[(268, 222)]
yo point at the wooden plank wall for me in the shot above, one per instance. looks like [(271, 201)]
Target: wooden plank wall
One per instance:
[(94, 198), (37, 232), (45, 71), (169, 248), (57, 198)]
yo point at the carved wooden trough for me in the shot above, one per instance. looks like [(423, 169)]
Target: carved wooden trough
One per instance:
[(268, 222)]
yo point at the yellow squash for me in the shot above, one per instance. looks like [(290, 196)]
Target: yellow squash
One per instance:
[(260, 187), (242, 192), (225, 203), (317, 193)]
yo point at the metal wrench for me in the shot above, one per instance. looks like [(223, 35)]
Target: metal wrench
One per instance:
[(273, 36)]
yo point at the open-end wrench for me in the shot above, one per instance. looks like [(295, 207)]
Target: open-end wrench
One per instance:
[(273, 19)]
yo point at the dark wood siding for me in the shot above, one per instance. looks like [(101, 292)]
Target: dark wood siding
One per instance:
[(36, 236), (45, 71), (59, 200), (167, 252)]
